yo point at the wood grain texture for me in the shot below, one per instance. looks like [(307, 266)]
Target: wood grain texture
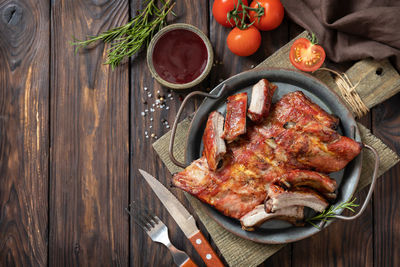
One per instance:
[(89, 175), (386, 199), (24, 118), (379, 80), (78, 143), (142, 154)]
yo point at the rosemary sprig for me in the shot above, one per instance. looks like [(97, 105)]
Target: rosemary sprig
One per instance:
[(330, 213), (239, 15), (128, 39)]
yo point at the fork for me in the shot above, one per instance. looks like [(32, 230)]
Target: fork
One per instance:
[(158, 232)]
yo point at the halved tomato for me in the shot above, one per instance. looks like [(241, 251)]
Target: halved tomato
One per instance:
[(306, 55)]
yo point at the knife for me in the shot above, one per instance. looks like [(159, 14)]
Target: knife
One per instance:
[(184, 220)]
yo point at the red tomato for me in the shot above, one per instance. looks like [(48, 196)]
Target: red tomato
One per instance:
[(273, 14), (306, 56), (244, 42), (221, 9)]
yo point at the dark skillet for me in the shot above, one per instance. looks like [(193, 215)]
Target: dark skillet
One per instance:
[(277, 232)]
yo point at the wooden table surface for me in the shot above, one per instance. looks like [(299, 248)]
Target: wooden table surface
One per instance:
[(72, 139)]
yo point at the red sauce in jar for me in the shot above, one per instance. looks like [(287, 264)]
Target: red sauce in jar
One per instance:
[(180, 56)]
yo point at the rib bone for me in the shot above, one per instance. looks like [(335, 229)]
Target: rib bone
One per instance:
[(258, 216), (278, 199)]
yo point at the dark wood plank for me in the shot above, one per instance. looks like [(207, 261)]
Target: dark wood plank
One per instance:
[(24, 117), (89, 178), (386, 123), (143, 155)]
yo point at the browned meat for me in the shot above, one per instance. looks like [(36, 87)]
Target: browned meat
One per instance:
[(231, 189), (235, 120), (315, 146), (300, 178), (214, 145), (278, 198), (266, 152), (258, 216), (261, 100), (296, 107)]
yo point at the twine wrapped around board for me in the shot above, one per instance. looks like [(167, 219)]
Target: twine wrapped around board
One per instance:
[(348, 93)]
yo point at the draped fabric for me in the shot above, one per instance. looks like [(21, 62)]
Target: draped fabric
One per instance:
[(351, 29)]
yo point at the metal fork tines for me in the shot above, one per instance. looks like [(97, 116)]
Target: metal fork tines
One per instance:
[(157, 231)]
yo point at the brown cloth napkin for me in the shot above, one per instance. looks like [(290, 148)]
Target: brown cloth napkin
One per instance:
[(351, 29)]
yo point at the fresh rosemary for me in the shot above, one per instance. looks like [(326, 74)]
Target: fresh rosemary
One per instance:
[(330, 213), (241, 12), (128, 39)]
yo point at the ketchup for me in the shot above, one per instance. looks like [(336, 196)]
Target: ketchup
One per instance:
[(180, 56)]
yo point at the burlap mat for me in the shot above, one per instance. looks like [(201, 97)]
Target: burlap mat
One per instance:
[(242, 252)]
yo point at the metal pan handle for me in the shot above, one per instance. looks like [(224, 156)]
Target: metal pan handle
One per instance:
[(371, 188), (174, 127)]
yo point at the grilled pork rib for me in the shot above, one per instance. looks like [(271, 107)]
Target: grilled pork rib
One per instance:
[(235, 120), (304, 178), (214, 145), (261, 100), (295, 141), (258, 216), (278, 198)]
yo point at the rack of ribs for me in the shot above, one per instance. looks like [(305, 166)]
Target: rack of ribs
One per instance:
[(292, 149)]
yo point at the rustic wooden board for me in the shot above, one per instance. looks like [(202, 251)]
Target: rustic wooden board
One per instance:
[(142, 153), (24, 118), (89, 158), (386, 123)]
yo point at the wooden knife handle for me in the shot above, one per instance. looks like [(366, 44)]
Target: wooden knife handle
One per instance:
[(205, 250), (188, 263)]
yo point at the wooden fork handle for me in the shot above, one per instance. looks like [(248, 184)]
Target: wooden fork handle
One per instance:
[(205, 250)]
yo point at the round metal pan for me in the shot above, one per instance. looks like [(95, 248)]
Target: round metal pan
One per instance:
[(276, 232)]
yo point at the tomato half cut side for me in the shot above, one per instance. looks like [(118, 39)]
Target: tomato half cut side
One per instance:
[(306, 56)]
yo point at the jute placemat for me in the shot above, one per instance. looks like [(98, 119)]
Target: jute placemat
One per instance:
[(242, 252)]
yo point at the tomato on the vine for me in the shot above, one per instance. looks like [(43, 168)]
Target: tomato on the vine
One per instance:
[(221, 8), (244, 42), (273, 14), (306, 55)]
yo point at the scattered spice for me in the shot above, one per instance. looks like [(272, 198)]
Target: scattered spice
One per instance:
[(156, 101)]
